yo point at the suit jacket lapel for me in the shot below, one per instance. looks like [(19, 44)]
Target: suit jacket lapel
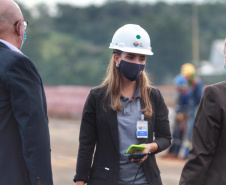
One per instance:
[(111, 119)]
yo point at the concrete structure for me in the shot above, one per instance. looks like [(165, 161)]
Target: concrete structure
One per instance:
[(216, 60)]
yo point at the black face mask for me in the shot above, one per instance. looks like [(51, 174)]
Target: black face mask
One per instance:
[(131, 70)]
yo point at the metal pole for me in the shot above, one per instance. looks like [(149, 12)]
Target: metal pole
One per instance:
[(195, 34)]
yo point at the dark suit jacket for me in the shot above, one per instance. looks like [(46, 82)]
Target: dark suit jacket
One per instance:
[(100, 128), (206, 163), (24, 133)]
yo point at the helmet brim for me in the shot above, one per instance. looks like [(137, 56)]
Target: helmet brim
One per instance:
[(134, 50)]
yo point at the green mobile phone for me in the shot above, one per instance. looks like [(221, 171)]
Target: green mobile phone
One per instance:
[(135, 147)]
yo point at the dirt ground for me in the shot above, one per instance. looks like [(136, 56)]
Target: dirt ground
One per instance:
[(64, 143)]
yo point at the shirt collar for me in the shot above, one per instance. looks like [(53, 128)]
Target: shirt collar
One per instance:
[(136, 94), (10, 46)]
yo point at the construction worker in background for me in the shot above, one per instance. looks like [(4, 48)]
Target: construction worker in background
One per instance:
[(195, 92), (181, 110)]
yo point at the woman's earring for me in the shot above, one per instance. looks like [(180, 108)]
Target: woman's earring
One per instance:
[(117, 65)]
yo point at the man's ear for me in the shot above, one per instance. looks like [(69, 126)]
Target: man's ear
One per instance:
[(19, 28)]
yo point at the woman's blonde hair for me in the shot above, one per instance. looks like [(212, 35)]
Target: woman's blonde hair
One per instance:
[(113, 82)]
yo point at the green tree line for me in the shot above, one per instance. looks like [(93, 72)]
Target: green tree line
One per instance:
[(71, 47)]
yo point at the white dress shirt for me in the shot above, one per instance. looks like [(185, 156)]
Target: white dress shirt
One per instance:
[(10, 46)]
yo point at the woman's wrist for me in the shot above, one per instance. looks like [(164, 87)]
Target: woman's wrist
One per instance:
[(150, 147), (153, 147), (80, 182)]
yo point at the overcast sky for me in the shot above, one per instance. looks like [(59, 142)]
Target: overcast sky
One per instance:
[(81, 3)]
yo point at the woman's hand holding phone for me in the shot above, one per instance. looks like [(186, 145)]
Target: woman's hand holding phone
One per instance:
[(150, 147)]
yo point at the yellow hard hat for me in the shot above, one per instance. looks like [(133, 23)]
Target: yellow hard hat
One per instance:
[(187, 69)]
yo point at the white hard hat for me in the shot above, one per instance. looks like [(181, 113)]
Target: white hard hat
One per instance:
[(132, 38)]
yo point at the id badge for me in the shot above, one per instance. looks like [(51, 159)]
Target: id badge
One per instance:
[(142, 129)]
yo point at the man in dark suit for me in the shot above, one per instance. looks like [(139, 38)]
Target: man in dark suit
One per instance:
[(24, 133), (206, 163)]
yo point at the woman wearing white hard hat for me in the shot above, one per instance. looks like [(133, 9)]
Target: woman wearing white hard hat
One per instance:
[(123, 110)]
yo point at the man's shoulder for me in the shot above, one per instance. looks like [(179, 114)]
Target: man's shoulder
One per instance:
[(9, 57), (215, 91), (221, 86), (9, 54)]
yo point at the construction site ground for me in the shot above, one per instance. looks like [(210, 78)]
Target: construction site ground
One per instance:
[(64, 143)]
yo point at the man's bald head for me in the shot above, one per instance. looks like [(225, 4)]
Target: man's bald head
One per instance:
[(10, 13)]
